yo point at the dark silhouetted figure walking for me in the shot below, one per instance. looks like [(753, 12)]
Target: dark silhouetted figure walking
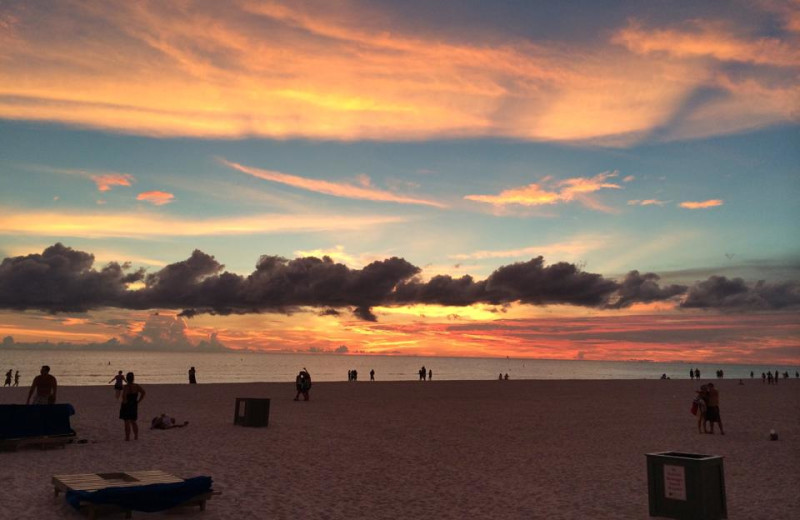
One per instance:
[(192, 376), (118, 380)]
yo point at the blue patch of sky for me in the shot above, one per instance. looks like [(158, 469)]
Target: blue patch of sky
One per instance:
[(755, 174)]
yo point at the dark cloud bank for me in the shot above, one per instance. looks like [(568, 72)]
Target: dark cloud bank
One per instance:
[(62, 279)]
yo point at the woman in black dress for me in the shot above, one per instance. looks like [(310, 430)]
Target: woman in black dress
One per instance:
[(132, 395)]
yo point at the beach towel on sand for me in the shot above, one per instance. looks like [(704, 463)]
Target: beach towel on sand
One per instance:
[(149, 498)]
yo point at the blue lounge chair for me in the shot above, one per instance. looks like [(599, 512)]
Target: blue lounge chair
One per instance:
[(43, 425), (147, 491)]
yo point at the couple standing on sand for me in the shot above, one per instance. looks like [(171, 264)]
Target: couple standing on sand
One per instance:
[(131, 394), (303, 384), (706, 407)]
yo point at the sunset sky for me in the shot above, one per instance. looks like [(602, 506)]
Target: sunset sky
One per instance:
[(412, 143)]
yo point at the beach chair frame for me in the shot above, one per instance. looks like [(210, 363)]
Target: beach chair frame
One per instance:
[(97, 481)]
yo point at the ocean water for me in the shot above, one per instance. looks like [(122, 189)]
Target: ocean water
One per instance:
[(78, 368)]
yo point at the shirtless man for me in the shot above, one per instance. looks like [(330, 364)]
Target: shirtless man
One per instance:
[(45, 386), (712, 413)]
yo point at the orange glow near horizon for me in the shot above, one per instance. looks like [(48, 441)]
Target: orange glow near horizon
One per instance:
[(601, 337)]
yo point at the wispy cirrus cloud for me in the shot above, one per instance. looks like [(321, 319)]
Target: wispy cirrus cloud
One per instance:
[(363, 191), (356, 71), (104, 180), (146, 225), (569, 250), (713, 39), (647, 202), (156, 198), (711, 203), (550, 192)]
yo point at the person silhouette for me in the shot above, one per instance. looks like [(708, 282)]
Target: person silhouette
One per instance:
[(132, 395), (118, 380), (303, 384), (372, 375), (192, 376), (45, 387)]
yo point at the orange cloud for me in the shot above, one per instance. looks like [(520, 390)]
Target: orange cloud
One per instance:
[(143, 225), (157, 198), (349, 72), (708, 39), (104, 180), (564, 191), (702, 204), (107, 180), (363, 192)]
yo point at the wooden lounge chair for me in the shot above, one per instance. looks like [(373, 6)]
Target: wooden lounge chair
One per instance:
[(105, 493), (42, 425)]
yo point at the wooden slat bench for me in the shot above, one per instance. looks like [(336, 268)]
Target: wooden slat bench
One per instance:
[(97, 481)]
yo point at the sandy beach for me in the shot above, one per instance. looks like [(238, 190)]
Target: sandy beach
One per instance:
[(450, 449)]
